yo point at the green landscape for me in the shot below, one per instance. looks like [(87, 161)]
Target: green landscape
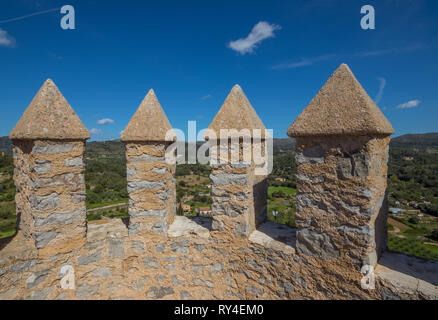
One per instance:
[(412, 189)]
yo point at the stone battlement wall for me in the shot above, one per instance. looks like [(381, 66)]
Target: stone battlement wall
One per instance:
[(341, 211)]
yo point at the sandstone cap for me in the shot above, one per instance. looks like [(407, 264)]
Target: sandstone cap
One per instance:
[(149, 122), (49, 116), (341, 107), (237, 113)]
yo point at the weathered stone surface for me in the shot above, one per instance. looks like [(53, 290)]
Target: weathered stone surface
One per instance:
[(236, 113), (85, 291), (150, 263), (49, 116), (94, 257), (159, 292), (75, 162), (40, 294), (187, 226), (44, 202), (149, 122), (341, 107), (116, 247), (314, 244), (138, 185), (61, 218), (180, 246), (223, 179), (36, 278)]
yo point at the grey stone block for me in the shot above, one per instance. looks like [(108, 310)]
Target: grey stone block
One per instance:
[(42, 166), (44, 202), (137, 246), (42, 238), (159, 292), (22, 266), (181, 246), (196, 268), (36, 278), (254, 290), (61, 218), (116, 248), (315, 244), (150, 263), (216, 267), (160, 227), (85, 291), (52, 148), (139, 185), (184, 294), (148, 213), (223, 179), (204, 283), (75, 162), (87, 259)]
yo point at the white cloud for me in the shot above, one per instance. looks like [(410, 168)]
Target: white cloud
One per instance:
[(208, 96), (105, 121), (261, 31), (409, 104), (381, 89), (96, 131), (6, 40)]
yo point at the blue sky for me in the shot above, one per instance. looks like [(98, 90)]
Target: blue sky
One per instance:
[(188, 52)]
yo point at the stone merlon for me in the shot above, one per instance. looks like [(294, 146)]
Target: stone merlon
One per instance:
[(236, 113), (49, 116), (341, 107), (149, 122)]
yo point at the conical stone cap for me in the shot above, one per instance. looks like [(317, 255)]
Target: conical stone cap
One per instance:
[(341, 107), (149, 122), (237, 113), (49, 116)]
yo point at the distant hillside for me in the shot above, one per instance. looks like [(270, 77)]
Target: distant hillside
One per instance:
[(414, 142), (417, 142)]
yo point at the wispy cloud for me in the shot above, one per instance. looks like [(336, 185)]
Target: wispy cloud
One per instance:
[(96, 131), (409, 104), (365, 54), (305, 62), (105, 121), (261, 31), (207, 96), (6, 40), (30, 15), (381, 89), (382, 52)]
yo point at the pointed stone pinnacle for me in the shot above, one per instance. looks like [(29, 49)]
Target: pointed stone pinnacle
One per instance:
[(236, 113), (149, 122), (49, 116), (341, 107)]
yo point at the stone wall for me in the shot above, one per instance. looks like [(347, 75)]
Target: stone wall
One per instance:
[(50, 198), (151, 188), (340, 202)]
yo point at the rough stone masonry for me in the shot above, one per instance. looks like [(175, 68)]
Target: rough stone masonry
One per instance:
[(341, 155), (48, 147), (151, 182)]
